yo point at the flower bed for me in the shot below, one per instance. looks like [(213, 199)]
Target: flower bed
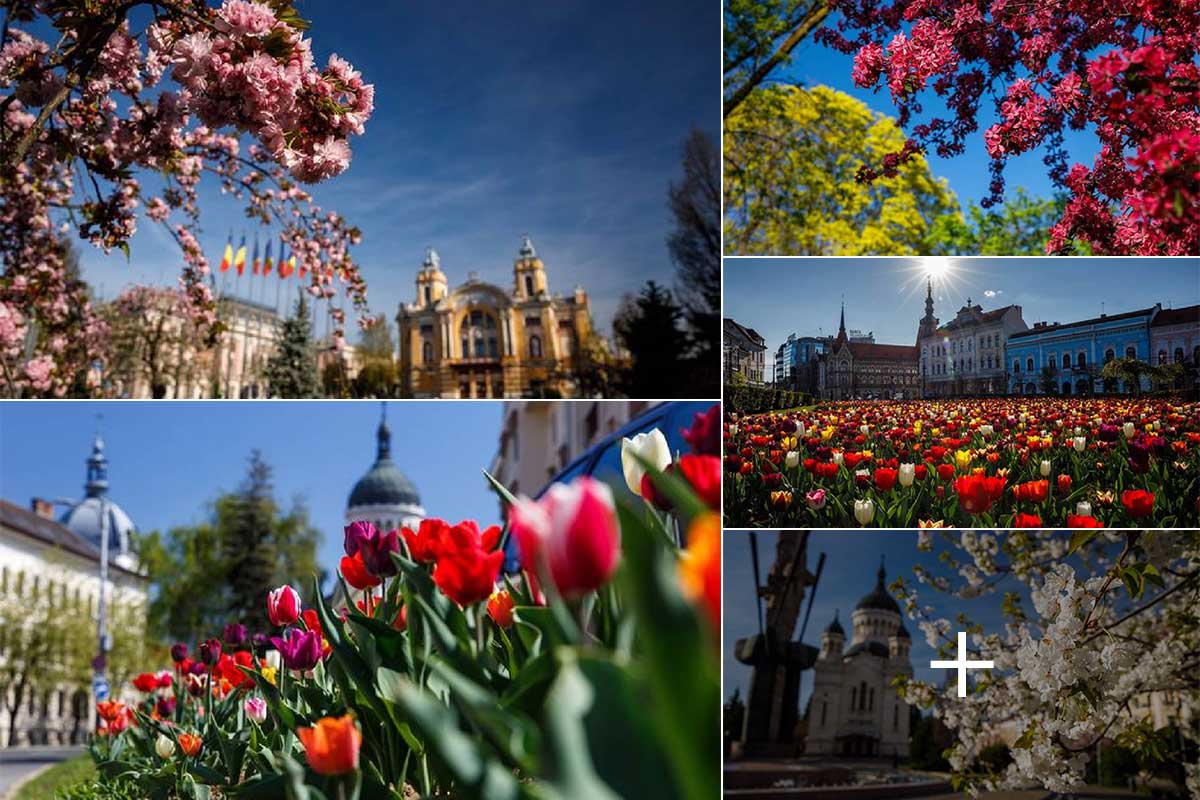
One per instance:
[(1009, 462), (591, 673)]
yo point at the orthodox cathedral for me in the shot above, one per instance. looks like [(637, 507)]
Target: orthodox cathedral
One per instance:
[(855, 710), (384, 496), (481, 340)]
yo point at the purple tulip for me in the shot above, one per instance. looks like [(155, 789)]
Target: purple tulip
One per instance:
[(356, 533), (1108, 433), (210, 651), (179, 652), (260, 643), (300, 651), (165, 706), (377, 553), (197, 668), (234, 635)]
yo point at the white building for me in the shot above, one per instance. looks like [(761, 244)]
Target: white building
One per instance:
[(58, 562), (855, 710), (384, 496)]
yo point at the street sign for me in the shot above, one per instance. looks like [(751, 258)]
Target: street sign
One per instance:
[(100, 687)]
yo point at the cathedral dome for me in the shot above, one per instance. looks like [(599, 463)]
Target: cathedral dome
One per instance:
[(879, 599), (96, 514), (384, 484)]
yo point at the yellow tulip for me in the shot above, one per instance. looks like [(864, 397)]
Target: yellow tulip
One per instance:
[(268, 674), (962, 459)]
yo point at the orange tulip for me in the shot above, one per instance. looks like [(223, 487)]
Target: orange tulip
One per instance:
[(700, 566), (189, 743), (500, 608), (332, 745), (108, 710)]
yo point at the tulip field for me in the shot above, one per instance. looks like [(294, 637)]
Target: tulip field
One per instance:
[(591, 672), (1011, 462)]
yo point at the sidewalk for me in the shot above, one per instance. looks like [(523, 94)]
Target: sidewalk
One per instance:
[(18, 764)]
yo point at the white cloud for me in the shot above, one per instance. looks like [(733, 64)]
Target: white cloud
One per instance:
[(992, 292)]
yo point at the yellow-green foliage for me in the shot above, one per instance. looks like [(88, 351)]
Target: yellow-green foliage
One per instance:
[(791, 155)]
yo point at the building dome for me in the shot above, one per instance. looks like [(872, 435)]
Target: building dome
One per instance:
[(879, 599), (384, 496), (96, 514)]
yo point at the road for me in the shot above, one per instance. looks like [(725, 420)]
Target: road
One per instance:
[(18, 763)]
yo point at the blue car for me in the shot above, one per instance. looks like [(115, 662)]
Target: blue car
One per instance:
[(602, 460)]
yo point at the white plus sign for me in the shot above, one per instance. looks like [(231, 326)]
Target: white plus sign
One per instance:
[(962, 665)]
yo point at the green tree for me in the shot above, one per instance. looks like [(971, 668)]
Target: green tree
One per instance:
[(648, 327), (760, 36), (292, 369), (377, 375), (792, 158), (1021, 226), (695, 247), (206, 574), (1127, 370)]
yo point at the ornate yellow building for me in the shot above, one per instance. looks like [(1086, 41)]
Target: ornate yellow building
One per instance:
[(478, 340)]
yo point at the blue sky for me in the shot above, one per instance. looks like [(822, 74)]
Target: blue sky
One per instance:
[(814, 64), (852, 559), (560, 118), (167, 461), (887, 295)]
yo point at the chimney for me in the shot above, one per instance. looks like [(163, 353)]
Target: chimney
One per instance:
[(43, 508)]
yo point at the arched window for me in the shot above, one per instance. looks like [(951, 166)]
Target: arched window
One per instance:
[(1178, 355), (1066, 360), (1109, 355), (529, 285), (1029, 365), (478, 331), (1081, 360), (1016, 366), (1162, 356), (1052, 362), (535, 346), (428, 295), (1131, 352), (427, 352)]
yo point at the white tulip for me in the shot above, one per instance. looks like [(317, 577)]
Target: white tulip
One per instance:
[(1021, 419), (1083, 508), (864, 511), (793, 459), (653, 448), (1080, 443), (164, 746), (1129, 429), (733, 429), (838, 458), (271, 659), (986, 430), (907, 473), (864, 429), (801, 431), (1045, 469), (1157, 425)]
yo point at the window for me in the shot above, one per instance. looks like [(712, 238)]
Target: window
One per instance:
[(529, 285), (1081, 360), (1066, 360), (1029, 365), (1162, 356), (478, 330), (1131, 352), (1052, 362), (871, 707), (1178, 355), (853, 698), (824, 709), (535, 347), (427, 352), (1016, 366), (1109, 355), (862, 695), (427, 295)]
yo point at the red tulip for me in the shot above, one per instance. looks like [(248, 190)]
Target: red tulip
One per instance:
[(146, 682), (468, 563), (885, 479), (1064, 484), (945, 471), (1077, 521), (283, 606), (1138, 502), (1027, 521), (190, 743), (356, 574), (704, 474), (423, 545), (332, 745), (976, 493), (921, 472), (705, 434), (572, 532)]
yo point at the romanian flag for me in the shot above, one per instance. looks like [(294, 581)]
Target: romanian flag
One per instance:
[(267, 260), (227, 257), (239, 261), (292, 263), (255, 262), (284, 272)]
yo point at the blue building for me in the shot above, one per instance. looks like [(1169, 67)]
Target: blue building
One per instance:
[(1053, 358), (795, 361)]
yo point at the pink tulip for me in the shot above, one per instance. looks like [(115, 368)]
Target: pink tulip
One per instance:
[(573, 532), (256, 709), (283, 606)]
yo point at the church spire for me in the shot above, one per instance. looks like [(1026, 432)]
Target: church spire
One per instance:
[(383, 436), (929, 323), (841, 337)]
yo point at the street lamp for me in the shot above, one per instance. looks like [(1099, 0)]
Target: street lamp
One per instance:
[(104, 641)]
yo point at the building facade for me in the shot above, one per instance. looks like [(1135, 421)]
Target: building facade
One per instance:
[(743, 352), (855, 710), (795, 360), (384, 496), (866, 369), (57, 562), (480, 340), (966, 355), (1056, 358), (1175, 339)]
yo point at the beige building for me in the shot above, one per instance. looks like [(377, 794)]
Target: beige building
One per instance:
[(57, 562), (856, 369), (539, 438), (742, 349), (481, 340), (966, 356)]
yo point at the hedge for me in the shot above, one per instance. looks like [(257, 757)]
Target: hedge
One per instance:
[(757, 399)]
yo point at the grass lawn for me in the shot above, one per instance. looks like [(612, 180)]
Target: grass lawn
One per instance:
[(68, 773)]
